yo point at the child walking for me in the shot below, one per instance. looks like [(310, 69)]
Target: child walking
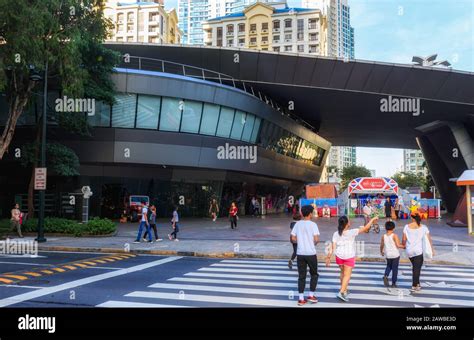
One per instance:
[(175, 225), (389, 245), (296, 218)]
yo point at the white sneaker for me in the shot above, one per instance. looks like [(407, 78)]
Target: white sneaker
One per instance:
[(169, 236), (159, 240), (144, 240), (176, 240)]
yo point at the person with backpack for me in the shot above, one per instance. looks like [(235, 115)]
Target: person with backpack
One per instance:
[(413, 239), (144, 223), (152, 221), (305, 234)]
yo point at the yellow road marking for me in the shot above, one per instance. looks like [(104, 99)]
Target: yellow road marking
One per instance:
[(47, 272), (115, 257), (5, 280), (58, 270), (80, 265), (18, 277), (32, 274), (109, 260), (70, 267), (100, 261), (89, 263)]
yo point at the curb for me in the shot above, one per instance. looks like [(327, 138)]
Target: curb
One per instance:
[(321, 258)]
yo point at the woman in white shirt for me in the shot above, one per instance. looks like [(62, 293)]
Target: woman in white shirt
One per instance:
[(413, 235), (343, 245)]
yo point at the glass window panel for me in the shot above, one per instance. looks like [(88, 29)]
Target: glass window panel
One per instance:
[(225, 122), (239, 123), (123, 111), (148, 112), (248, 128), (170, 114), (210, 116), (256, 127), (191, 116), (101, 116)]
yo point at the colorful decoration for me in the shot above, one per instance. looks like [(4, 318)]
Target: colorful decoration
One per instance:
[(365, 185)]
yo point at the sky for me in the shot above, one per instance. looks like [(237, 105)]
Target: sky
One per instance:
[(396, 30)]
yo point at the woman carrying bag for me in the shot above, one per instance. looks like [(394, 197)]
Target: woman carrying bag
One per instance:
[(418, 243)]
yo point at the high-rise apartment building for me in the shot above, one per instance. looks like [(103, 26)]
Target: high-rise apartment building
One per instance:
[(144, 21), (268, 27), (339, 158), (413, 161), (192, 13), (340, 32)]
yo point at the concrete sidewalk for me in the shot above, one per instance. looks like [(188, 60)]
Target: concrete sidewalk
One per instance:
[(259, 237)]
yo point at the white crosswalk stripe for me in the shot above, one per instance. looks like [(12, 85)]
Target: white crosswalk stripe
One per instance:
[(269, 283)]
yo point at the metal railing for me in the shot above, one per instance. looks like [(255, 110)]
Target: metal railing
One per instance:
[(165, 66)]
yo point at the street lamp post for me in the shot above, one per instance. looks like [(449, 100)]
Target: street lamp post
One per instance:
[(41, 237)]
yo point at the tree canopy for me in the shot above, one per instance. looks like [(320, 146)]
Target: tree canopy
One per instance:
[(351, 172)]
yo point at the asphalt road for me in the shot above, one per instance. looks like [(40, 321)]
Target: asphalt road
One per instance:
[(59, 279)]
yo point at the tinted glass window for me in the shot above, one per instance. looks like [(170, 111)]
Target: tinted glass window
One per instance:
[(123, 111), (191, 116), (148, 112), (238, 126), (170, 114), (247, 134), (210, 117), (225, 122)]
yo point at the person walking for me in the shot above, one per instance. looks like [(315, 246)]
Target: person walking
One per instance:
[(233, 215), (144, 224), (174, 225), (152, 221), (16, 219), (343, 246), (397, 207), (214, 209), (367, 211), (305, 234), (413, 235), (388, 209), (296, 218), (389, 245)]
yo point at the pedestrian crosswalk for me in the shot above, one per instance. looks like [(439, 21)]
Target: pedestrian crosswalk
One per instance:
[(269, 283)]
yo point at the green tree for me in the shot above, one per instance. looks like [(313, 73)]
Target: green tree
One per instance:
[(68, 36), (65, 34), (408, 179), (351, 172)]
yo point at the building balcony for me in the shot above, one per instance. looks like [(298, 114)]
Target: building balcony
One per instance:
[(253, 32), (276, 41), (241, 45), (312, 26), (264, 43), (276, 29), (264, 31), (241, 32), (230, 34), (253, 43)]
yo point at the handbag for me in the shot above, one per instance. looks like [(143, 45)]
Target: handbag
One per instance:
[(427, 250)]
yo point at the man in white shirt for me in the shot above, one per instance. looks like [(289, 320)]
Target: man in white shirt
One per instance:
[(306, 234), (367, 211)]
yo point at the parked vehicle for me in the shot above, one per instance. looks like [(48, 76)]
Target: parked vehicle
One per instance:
[(134, 207)]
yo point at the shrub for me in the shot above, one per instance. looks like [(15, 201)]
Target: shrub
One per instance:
[(98, 226), (5, 227), (57, 225)]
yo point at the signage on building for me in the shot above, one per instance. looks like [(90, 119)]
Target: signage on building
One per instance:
[(40, 178)]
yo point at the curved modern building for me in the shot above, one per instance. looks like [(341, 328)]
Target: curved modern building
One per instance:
[(181, 110), (179, 140)]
